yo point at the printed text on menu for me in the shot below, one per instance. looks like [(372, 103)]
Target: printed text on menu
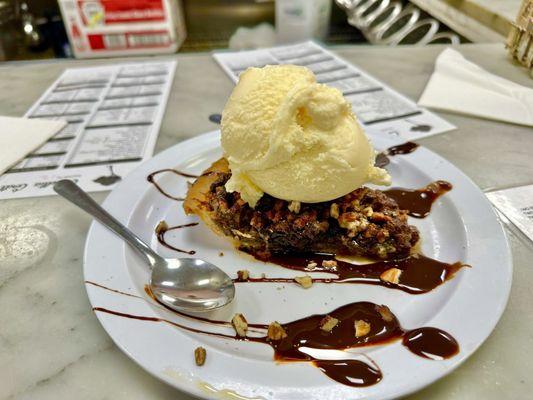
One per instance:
[(113, 113)]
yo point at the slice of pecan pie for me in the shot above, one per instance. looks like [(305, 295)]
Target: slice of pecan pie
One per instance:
[(364, 222)]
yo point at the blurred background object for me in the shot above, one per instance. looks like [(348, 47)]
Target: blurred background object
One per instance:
[(298, 20), (389, 22), (8, 31), (262, 35), (33, 38), (211, 23), (103, 28), (30, 30), (520, 41)]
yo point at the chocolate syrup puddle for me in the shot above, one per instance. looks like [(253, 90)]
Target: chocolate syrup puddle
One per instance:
[(151, 178), (405, 148), (306, 333), (420, 274), (432, 343), (382, 159), (418, 202), (160, 233)]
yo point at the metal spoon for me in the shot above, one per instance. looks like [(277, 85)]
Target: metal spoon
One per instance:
[(183, 284)]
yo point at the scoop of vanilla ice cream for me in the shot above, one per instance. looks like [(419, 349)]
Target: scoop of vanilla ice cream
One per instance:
[(287, 135)]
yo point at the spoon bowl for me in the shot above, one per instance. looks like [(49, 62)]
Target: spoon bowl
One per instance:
[(191, 284)]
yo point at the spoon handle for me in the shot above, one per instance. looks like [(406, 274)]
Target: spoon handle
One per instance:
[(73, 193)]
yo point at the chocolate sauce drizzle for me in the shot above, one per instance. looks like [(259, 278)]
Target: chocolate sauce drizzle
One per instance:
[(420, 274), (418, 202), (157, 319), (426, 342), (382, 159), (431, 343), (151, 178), (405, 148), (160, 234), (112, 290)]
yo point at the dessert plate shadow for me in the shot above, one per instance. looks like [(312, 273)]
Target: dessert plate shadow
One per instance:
[(462, 226)]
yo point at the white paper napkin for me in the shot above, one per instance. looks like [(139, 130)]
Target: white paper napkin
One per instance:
[(461, 86), (21, 136)]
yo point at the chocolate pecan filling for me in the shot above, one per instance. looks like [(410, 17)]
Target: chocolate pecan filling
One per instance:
[(364, 222)]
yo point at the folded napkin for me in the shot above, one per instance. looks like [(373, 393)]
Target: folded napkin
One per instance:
[(461, 86), (21, 136)]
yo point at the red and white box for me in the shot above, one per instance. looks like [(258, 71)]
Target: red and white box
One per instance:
[(107, 28)]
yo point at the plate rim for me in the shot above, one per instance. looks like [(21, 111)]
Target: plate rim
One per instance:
[(189, 386)]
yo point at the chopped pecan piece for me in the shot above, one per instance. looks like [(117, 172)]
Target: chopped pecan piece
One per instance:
[(368, 211), (362, 328), (328, 323), (243, 275), (380, 217), (276, 331), (294, 206), (334, 210), (304, 281), (392, 275), (199, 356), (240, 325), (161, 227), (329, 264)]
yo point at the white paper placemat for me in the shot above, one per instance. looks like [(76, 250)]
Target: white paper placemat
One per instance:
[(113, 116)]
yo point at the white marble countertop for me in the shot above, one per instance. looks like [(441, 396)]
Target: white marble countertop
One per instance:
[(52, 346)]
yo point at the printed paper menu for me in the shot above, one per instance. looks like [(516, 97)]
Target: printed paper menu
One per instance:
[(381, 110), (113, 116), (517, 205)]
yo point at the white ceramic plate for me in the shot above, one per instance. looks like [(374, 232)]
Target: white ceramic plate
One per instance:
[(461, 226)]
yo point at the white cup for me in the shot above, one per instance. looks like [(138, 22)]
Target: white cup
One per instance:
[(298, 20)]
